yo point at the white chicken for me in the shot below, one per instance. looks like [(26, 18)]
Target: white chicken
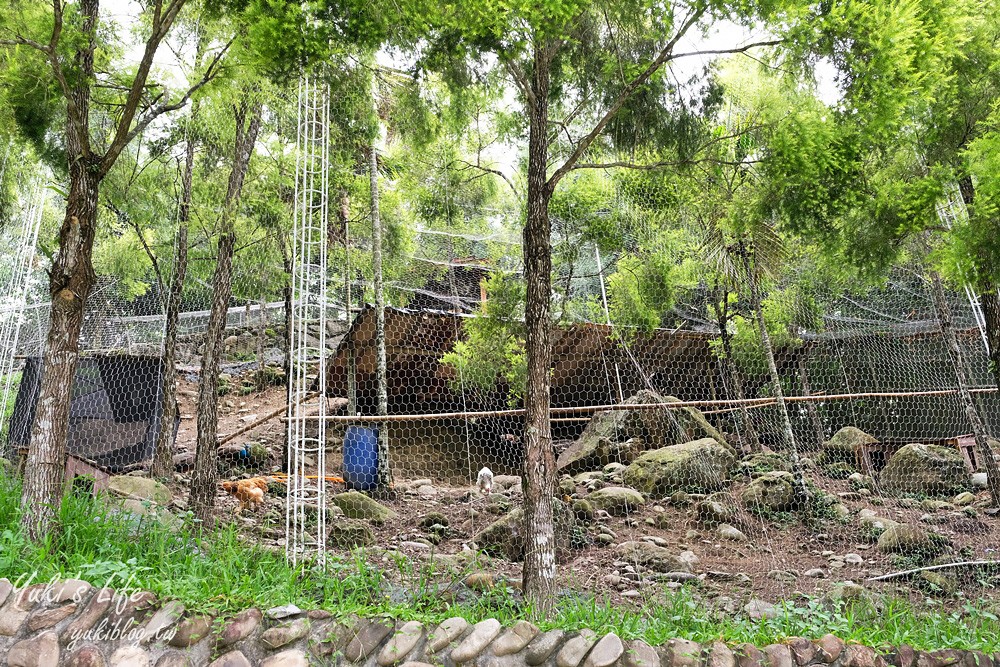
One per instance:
[(485, 481)]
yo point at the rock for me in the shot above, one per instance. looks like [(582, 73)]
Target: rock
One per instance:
[(285, 633), (720, 655), (874, 523), (46, 618), (291, 658), (772, 491), (856, 655), (238, 627), (93, 612), (483, 633), (434, 518), (173, 659), (129, 656), (515, 639), (946, 582), (505, 537), (717, 508), (844, 445), (191, 630), (479, 581), (11, 620), (85, 656), (543, 646), (749, 655), (368, 637), (401, 644), (779, 655), (829, 648), (140, 488), (40, 651), (616, 500), (606, 652), (284, 611), (574, 650), (143, 508), (349, 534), (683, 653), (853, 559), (816, 573), (979, 480), (802, 650), (848, 593), (159, 626), (925, 469), (963, 499), (67, 590), (651, 556), (731, 533), (758, 464), (596, 446), (758, 610), (583, 510), (5, 590), (446, 633), (231, 659), (699, 465), (357, 505), (909, 539), (640, 654)]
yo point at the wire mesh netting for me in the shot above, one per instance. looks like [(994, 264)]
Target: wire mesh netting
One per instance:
[(689, 445)]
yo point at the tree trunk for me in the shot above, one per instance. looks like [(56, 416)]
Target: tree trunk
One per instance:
[(733, 373), (801, 490), (986, 453), (384, 482), (991, 314), (286, 261), (344, 213), (163, 464), (814, 418), (70, 281), (204, 478), (539, 461)]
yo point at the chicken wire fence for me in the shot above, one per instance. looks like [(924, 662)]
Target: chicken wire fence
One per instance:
[(674, 458)]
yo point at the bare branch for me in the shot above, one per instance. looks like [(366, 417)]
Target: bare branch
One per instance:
[(520, 80), (623, 97), (163, 19), (210, 73), (488, 170), (719, 52)]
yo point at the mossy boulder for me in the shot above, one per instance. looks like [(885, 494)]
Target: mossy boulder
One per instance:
[(699, 466), (843, 446), (616, 500), (357, 505), (349, 533), (505, 537), (925, 470), (759, 464), (599, 445), (140, 488), (771, 492), (903, 538)]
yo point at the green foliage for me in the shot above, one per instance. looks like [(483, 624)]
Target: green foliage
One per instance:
[(493, 348)]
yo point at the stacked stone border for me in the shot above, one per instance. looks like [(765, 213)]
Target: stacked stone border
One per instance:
[(72, 623)]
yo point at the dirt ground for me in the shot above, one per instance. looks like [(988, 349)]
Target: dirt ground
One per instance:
[(781, 559)]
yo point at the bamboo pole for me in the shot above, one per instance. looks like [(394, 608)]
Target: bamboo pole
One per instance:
[(749, 402)]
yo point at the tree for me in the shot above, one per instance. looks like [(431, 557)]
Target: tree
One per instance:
[(594, 72), (68, 41), (247, 114)]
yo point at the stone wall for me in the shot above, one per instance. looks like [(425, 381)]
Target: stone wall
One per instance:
[(72, 623)]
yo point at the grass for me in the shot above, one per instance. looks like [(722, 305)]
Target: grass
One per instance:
[(220, 572)]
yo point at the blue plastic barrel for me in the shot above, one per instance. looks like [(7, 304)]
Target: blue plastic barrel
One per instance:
[(360, 458)]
